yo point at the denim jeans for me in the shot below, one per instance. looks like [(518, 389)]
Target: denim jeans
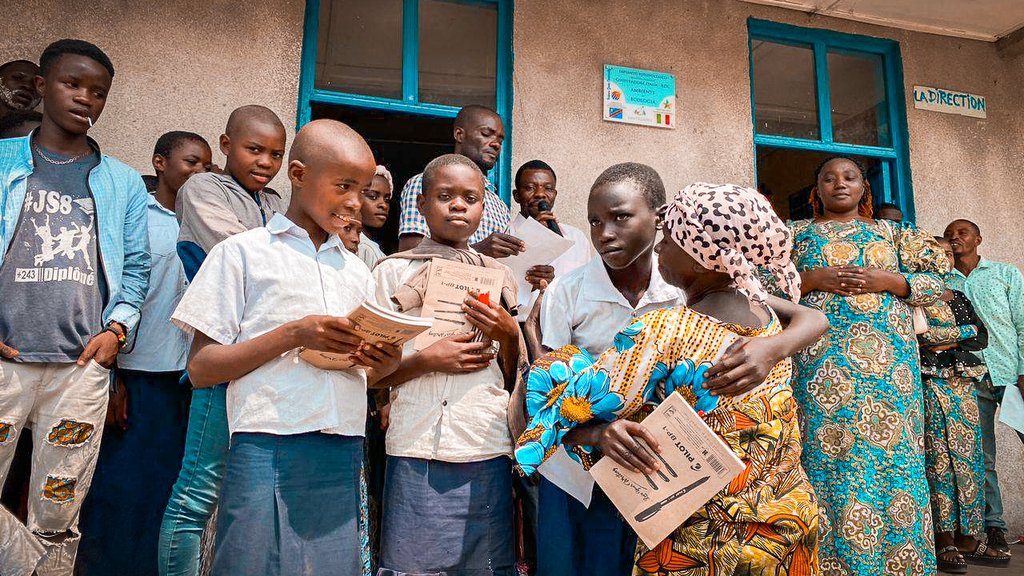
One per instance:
[(989, 399), (195, 493)]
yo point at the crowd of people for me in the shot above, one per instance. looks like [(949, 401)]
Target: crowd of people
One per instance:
[(150, 378)]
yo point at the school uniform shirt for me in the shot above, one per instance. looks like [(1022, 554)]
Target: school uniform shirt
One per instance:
[(580, 253), (259, 280), (585, 309), (997, 292), (437, 416), (159, 345), (495, 219)]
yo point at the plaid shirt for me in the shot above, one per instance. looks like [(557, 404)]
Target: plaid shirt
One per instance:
[(496, 215)]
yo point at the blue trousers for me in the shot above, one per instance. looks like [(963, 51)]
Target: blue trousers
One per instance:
[(194, 496), (576, 541), (134, 473)]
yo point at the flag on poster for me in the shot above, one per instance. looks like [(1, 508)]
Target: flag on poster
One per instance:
[(641, 97)]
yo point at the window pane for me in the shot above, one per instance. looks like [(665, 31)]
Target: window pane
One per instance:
[(857, 85), (458, 53), (785, 97), (359, 47)]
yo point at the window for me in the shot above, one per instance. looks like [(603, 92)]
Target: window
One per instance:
[(399, 56), (817, 93)]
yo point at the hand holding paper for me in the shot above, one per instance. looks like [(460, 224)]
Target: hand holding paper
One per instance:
[(542, 248)]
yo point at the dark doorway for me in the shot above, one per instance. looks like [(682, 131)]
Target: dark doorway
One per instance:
[(403, 143)]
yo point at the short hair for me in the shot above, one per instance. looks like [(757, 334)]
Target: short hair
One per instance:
[(54, 51), (469, 113), (887, 206), (977, 229), (169, 141), (430, 172), (252, 113), (533, 165), (643, 176), (13, 62), (941, 239), (9, 124)]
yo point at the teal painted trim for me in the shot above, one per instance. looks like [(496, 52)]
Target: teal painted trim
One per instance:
[(378, 103), (900, 132), (818, 146), (768, 30), (506, 18), (753, 107), (410, 50), (824, 92), (307, 72), (887, 194)]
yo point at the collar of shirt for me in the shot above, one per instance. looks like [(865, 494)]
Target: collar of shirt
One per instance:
[(599, 287), (280, 225), (155, 205)]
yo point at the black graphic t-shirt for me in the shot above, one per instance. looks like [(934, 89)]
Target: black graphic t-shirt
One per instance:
[(51, 282)]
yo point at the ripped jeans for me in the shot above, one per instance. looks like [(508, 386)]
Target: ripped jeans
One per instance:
[(66, 405)]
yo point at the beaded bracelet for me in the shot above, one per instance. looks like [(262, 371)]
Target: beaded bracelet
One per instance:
[(121, 339)]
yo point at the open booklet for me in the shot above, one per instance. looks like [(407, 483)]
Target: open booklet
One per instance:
[(375, 324), (447, 284), (694, 465)]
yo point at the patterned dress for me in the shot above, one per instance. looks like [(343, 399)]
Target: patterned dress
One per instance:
[(954, 461), (766, 521), (860, 400)]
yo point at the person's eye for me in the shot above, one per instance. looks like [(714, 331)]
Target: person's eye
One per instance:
[(191, 162), (472, 199), (594, 223), (371, 196), (277, 155), (444, 197), (622, 217), (100, 95)]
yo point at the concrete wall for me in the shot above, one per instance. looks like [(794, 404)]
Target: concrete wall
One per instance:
[(178, 65), (962, 167)]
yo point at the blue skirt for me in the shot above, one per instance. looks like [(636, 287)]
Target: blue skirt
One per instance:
[(290, 505), (445, 519)]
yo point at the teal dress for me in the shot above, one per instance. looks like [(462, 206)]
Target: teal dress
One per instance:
[(860, 398)]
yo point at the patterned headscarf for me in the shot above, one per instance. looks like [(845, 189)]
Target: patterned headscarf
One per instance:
[(732, 229), (383, 172)]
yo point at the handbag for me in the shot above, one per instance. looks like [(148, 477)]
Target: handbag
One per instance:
[(920, 320)]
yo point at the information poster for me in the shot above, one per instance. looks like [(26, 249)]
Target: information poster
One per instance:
[(640, 97)]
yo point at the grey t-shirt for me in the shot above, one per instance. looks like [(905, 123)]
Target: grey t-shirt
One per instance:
[(51, 281)]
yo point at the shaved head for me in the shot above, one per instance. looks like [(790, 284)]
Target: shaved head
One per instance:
[(252, 114), (329, 141), (471, 116)]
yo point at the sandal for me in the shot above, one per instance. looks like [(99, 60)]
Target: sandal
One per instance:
[(954, 566), (980, 558)]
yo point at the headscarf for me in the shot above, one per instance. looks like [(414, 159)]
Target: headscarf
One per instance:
[(383, 172), (733, 229)]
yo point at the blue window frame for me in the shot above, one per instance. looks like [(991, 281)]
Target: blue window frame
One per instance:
[(410, 101), (816, 131)]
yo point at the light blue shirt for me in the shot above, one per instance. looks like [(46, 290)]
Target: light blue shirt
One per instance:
[(120, 198), (997, 292), (159, 345)]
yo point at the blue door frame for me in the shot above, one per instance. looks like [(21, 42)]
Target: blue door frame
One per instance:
[(410, 103), (899, 191)]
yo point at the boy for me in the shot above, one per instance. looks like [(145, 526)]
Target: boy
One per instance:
[(18, 91), (67, 209), (535, 187), (120, 522), (448, 484), (374, 214), (210, 208), (290, 502), (997, 292)]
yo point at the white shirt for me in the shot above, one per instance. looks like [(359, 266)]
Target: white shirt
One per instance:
[(258, 280), (580, 253), (584, 308), (438, 416), (369, 251), (159, 346)]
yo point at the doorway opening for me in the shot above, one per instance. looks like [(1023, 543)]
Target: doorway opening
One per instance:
[(404, 143)]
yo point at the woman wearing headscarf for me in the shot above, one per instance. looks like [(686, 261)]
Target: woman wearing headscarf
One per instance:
[(765, 520), (859, 387), (374, 214)]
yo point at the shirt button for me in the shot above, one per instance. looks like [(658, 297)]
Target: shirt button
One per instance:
[(445, 403)]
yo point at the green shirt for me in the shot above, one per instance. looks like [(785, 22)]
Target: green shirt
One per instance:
[(997, 292)]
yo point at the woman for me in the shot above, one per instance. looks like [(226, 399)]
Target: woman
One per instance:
[(859, 387), (954, 462), (765, 521)]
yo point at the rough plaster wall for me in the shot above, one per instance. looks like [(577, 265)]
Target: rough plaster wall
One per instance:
[(961, 167), (178, 65)]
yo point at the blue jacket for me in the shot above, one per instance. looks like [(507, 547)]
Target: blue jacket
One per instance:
[(121, 222)]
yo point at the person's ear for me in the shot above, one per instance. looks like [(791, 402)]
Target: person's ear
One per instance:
[(517, 196), (225, 144), (420, 201), (979, 241), (40, 84), (459, 134), (296, 173), (159, 163)]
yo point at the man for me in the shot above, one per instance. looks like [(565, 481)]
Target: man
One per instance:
[(478, 134), (889, 211), (997, 292), (17, 87)]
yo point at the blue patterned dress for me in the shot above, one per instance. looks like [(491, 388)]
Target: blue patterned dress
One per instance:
[(859, 391)]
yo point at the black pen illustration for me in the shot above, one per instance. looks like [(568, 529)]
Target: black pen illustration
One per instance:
[(649, 513)]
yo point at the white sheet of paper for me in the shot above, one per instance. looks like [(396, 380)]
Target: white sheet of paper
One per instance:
[(1012, 411), (562, 471), (542, 247)]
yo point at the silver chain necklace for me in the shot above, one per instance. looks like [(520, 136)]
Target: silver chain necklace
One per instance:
[(57, 162)]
